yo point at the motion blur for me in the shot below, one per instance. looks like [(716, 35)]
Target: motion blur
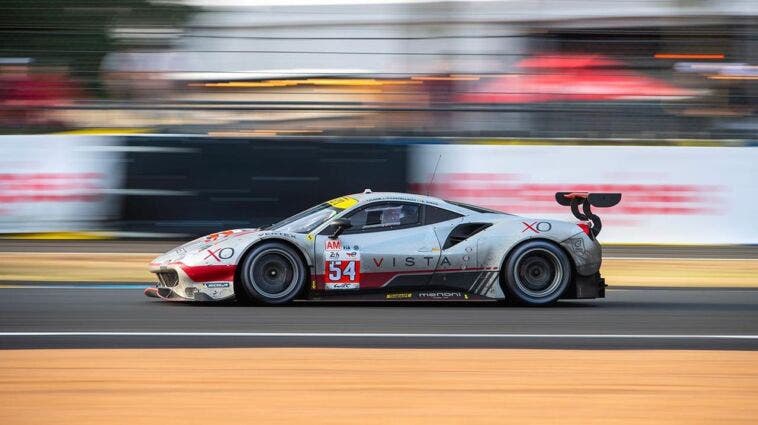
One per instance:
[(650, 69), (361, 88), (129, 127)]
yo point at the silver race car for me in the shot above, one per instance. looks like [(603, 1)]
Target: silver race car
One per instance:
[(395, 246)]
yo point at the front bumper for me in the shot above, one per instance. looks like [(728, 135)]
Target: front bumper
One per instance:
[(179, 282)]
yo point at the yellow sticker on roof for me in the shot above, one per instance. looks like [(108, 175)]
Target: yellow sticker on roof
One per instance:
[(342, 202)]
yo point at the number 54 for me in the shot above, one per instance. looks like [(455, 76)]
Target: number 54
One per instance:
[(337, 270)]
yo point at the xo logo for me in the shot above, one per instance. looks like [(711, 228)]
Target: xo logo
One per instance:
[(537, 226)]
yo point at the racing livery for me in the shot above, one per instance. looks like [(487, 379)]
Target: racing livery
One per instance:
[(396, 247)]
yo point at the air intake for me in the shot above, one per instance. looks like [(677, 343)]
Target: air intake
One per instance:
[(462, 232)]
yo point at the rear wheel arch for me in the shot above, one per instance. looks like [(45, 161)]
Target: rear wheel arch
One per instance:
[(510, 251)]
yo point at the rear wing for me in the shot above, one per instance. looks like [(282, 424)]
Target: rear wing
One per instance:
[(588, 200)]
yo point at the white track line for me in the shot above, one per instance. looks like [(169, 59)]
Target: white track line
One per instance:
[(378, 335)]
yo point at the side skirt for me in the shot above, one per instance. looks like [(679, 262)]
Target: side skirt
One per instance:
[(403, 295)]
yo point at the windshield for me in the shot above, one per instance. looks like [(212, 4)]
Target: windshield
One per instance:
[(306, 221)]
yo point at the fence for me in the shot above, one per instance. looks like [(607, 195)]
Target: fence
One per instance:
[(180, 186)]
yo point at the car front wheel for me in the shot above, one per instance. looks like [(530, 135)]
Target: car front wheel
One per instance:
[(272, 273)]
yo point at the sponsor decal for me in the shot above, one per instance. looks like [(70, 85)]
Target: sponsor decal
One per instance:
[(406, 199), (342, 285), (537, 226), (577, 244), (442, 295), (215, 237), (216, 285), (400, 296), (220, 235), (277, 234), (406, 261), (342, 202), (220, 254)]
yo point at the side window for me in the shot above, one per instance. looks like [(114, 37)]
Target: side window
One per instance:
[(438, 215), (384, 216)]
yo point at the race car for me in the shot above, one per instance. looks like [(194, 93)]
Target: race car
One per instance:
[(398, 247)]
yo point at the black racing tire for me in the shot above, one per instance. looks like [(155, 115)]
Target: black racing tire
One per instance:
[(536, 273), (271, 273)]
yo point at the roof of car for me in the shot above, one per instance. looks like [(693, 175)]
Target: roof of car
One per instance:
[(369, 196), (395, 196)]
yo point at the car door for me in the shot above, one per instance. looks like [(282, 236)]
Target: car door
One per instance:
[(387, 247)]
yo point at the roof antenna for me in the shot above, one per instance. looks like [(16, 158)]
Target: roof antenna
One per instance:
[(434, 174)]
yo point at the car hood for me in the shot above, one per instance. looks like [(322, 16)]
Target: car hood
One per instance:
[(203, 243)]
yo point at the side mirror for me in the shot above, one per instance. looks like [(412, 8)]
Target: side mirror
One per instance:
[(339, 225)]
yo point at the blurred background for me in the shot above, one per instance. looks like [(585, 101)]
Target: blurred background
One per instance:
[(130, 126), (169, 119)]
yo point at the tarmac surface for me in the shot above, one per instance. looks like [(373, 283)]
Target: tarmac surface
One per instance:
[(121, 316)]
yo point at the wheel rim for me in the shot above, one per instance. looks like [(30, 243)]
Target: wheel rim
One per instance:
[(538, 273), (274, 273)]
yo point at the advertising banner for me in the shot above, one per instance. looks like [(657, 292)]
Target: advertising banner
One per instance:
[(52, 183), (671, 195)]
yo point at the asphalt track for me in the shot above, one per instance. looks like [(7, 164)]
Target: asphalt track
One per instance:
[(116, 317)]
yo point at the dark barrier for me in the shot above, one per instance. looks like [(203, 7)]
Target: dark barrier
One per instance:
[(196, 185)]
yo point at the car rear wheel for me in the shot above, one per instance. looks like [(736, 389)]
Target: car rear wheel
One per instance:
[(272, 273), (537, 273)]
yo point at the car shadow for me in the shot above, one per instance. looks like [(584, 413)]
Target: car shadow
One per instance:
[(565, 304)]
